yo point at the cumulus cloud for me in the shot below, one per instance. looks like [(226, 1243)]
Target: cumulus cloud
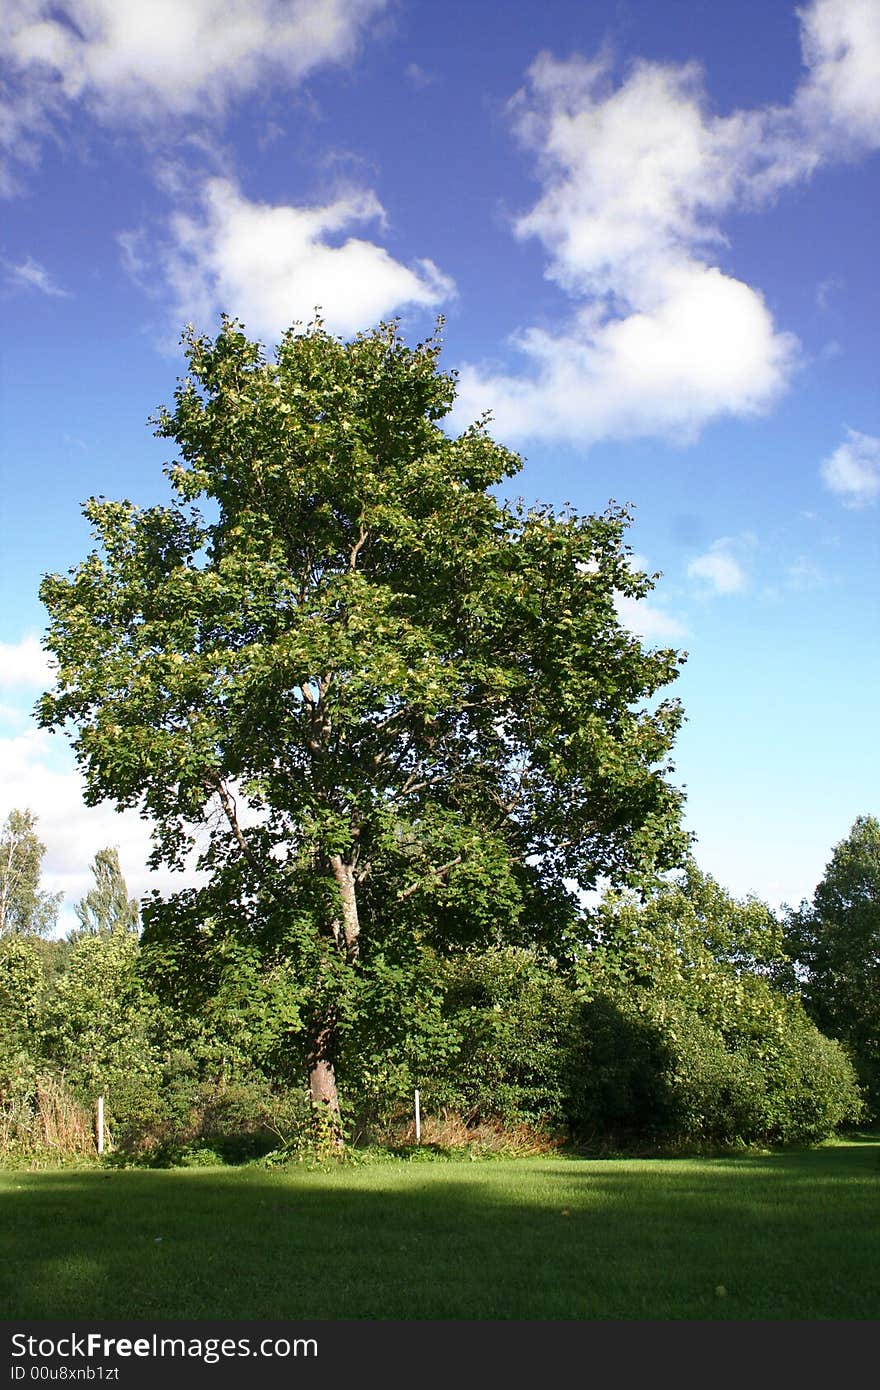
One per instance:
[(171, 57), (720, 571), (636, 178), (853, 470), (37, 774), (271, 265), (648, 620), (24, 665), (141, 61), (719, 568), (838, 103), (703, 347)]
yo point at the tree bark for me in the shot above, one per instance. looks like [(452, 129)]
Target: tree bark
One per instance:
[(344, 875), (322, 1046), (322, 1081)]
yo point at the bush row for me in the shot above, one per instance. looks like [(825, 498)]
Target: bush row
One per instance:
[(667, 1023)]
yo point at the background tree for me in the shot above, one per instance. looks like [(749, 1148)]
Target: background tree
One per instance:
[(396, 706), (835, 943), (96, 1021), (22, 986), (687, 1034), (25, 910), (107, 907)]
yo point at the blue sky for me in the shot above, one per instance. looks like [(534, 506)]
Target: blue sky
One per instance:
[(651, 229)]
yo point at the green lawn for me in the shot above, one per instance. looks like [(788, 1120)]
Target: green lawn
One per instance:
[(783, 1236)]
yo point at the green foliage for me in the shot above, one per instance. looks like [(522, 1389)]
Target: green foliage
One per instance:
[(22, 980), (22, 983), (483, 1035), (78, 1019), (392, 707), (24, 909), (38, 1113), (835, 944), (395, 1036), (510, 1014), (193, 1122), (107, 907), (675, 1031), (654, 1068), (98, 1028), (234, 1003), (686, 1036)]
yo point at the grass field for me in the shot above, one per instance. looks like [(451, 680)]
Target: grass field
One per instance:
[(781, 1236)]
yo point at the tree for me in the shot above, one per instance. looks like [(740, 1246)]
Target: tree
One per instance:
[(394, 706), (107, 908), (835, 942), (24, 909), (98, 1021), (690, 1031), (22, 986)]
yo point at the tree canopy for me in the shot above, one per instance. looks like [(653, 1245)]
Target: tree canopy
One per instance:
[(107, 908), (25, 909), (693, 1026), (388, 705), (835, 940)]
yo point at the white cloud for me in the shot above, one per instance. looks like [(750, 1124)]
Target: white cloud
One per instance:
[(29, 274), (31, 778), (37, 773), (24, 664), (853, 470), (704, 347), (663, 341), (636, 178), (167, 56), (272, 265), (417, 76), (140, 61), (648, 620), (719, 567), (643, 617), (624, 170), (839, 101)]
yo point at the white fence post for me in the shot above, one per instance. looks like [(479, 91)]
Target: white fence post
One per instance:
[(418, 1120), (100, 1124)]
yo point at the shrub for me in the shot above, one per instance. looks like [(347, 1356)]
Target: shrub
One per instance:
[(509, 1012), (692, 1031), (650, 1067)]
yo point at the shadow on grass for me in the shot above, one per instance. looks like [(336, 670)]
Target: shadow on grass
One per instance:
[(862, 1137), (792, 1235)]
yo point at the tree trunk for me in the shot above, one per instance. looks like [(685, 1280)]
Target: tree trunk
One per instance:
[(322, 1083), (322, 1045), (351, 929)]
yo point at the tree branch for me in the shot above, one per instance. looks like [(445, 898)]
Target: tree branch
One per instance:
[(227, 800), (356, 549), (438, 873)]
